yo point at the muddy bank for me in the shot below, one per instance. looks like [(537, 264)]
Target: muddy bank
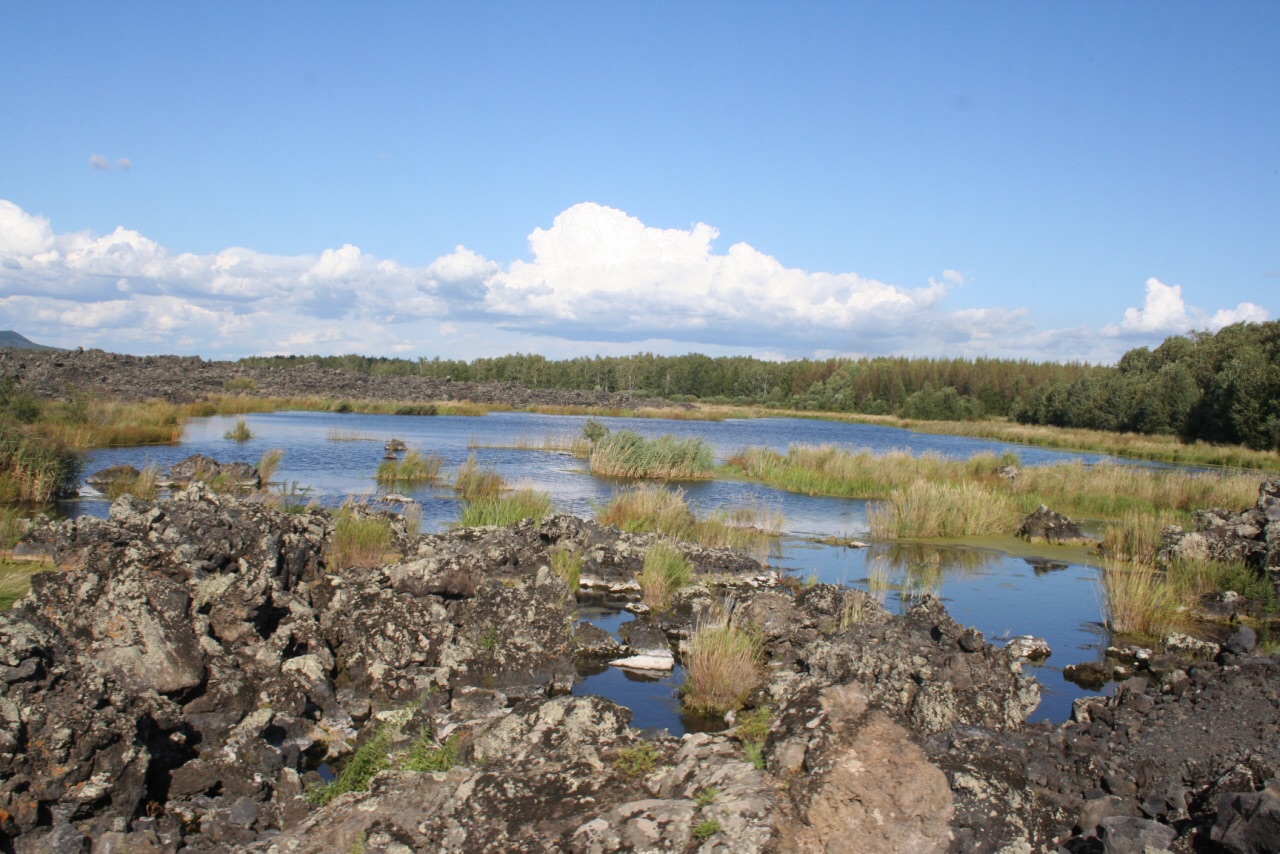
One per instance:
[(181, 680), (184, 379)]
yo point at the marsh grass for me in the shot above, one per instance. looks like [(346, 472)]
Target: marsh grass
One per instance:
[(1136, 536), (625, 453), (145, 485), (1139, 600), (665, 571), (412, 516), (413, 468), (337, 434), (239, 433), (652, 508), (358, 539), (577, 446), (940, 509), (33, 467), (268, 463), (523, 503), (471, 481), (722, 667)]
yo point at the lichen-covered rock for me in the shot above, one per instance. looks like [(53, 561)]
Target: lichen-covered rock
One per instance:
[(1043, 525)]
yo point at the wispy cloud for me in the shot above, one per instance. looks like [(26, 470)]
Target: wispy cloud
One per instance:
[(105, 164), (596, 281)]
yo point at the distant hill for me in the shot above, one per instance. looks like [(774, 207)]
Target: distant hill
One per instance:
[(9, 338)]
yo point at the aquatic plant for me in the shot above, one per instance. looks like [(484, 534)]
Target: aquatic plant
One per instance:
[(723, 666), (268, 463), (523, 503), (625, 453), (471, 481), (1139, 600), (240, 433), (413, 468), (940, 509)]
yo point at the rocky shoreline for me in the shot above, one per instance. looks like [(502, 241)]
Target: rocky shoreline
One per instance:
[(193, 664), (185, 379)]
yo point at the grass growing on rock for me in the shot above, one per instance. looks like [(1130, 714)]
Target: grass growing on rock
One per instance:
[(637, 761), (379, 753), (413, 468), (625, 453), (566, 562), (15, 578), (665, 571), (523, 503), (722, 667), (358, 539)]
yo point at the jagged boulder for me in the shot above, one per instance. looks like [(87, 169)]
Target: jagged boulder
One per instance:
[(1043, 525)]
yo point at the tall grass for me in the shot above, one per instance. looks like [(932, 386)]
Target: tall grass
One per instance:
[(722, 667), (665, 571), (412, 516), (566, 562), (626, 453), (15, 579), (239, 433), (651, 508), (145, 485), (934, 509), (1140, 601), (413, 468), (1136, 536), (575, 445), (34, 467), (1073, 488), (358, 540), (524, 503), (472, 482), (268, 463)]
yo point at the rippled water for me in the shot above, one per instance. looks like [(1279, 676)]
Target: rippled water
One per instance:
[(1001, 595)]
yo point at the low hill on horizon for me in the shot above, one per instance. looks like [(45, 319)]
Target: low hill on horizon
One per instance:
[(9, 338)]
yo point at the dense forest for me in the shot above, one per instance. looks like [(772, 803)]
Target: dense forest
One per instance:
[(1222, 387)]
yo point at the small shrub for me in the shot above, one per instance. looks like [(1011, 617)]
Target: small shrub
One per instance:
[(665, 571), (593, 431), (636, 761), (722, 667), (358, 540), (706, 828), (472, 482), (240, 433), (524, 503)]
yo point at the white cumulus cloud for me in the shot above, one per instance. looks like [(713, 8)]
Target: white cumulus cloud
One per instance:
[(1164, 312)]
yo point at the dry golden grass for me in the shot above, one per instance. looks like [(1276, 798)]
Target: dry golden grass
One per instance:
[(722, 667)]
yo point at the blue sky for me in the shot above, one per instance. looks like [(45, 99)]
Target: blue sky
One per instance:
[(1040, 180)]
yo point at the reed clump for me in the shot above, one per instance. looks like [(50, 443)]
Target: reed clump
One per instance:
[(625, 453), (940, 509), (665, 571), (1140, 600), (656, 509), (413, 468), (239, 433), (268, 463), (472, 481), (523, 503), (723, 666), (577, 446), (34, 467), (358, 539), (144, 485)]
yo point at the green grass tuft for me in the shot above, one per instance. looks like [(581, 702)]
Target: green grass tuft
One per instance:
[(722, 667), (414, 468), (628, 454), (665, 571), (358, 540), (525, 503)]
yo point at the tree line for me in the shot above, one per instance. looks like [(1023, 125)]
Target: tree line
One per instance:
[(1222, 387)]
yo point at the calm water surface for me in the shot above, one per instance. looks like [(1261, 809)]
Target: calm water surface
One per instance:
[(1001, 595)]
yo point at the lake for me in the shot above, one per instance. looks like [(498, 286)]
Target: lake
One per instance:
[(1003, 595)]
